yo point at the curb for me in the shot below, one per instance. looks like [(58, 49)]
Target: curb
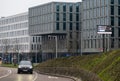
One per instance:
[(57, 75)]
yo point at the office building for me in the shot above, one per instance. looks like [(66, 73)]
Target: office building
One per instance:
[(100, 12), (56, 22), (15, 42)]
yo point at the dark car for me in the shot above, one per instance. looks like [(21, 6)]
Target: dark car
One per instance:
[(25, 66)]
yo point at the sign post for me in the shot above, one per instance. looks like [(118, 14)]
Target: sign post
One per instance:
[(104, 29)]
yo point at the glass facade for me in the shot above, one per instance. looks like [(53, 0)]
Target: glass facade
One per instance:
[(64, 16), (71, 16), (71, 25), (71, 8), (112, 21), (57, 8), (118, 10), (57, 16), (119, 2), (112, 10), (64, 8), (112, 1), (77, 8), (57, 26), (64, 25)]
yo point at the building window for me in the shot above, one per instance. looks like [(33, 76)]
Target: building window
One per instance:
[(118, 32), (70, 8), (57, 16), (112, 10), (112, 1), (112, 35), (57, 8), (119, 43), (91, 43), (64, 8), (118, 10), (77, 17), (33, 39), (57, 26), (77, 26), (112, 21), (71, 26), (118, 21), (32, 47), (77, 35), (70, 44), (112, 43), (70, 35), (64, 26), (64, 16), (118, 1), (77, 8), (70, 16)]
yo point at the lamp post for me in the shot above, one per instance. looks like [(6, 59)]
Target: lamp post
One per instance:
[(36, 53), (56, 43)]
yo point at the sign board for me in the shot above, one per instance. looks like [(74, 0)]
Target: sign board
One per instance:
[(104, 29)]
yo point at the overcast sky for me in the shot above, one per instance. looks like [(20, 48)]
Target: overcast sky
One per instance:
[(12, 7)]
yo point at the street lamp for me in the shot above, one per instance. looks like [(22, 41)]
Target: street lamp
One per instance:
[(36, 53), (56, 43)]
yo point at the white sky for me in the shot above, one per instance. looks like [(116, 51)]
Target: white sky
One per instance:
[(12, 7)]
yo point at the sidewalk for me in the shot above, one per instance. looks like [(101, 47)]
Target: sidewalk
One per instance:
[(3, 71)]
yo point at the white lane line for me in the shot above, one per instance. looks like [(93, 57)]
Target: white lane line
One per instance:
[(36, 76), (9, 72), (52, 77)]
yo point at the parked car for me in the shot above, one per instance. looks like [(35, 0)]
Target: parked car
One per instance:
[(25, 66)]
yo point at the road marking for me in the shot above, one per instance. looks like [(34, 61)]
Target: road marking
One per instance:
[(35, 78), (9, 72), (52, 77)]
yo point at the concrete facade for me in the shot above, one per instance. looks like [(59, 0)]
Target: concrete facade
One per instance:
[(14, 38), (60, 19), (100, 12)]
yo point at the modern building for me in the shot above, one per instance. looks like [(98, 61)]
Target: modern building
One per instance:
[(100, 12), (15, 41), (59, 25)]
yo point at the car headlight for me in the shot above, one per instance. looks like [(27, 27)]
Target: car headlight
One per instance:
[(31, 67), (19, 66)]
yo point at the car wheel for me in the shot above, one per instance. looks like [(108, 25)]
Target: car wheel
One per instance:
[(31, 72), (18, 72)]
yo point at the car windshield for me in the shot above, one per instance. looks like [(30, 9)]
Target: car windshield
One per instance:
[(25, 63)]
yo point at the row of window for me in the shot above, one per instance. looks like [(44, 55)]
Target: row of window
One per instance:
[(64, 8), (59, 37), (14, 26), (93, 43), (13, 19), (35, 47), (65, 18), (36, 39), (96, 13), (64, 26), (14, 41), (113, 31), (14, 33), (112, 2), (113, 21), (112, 10), (71, 35), (94, 4), (20, 48)]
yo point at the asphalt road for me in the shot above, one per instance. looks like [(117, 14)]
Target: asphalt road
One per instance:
[(10, 74)]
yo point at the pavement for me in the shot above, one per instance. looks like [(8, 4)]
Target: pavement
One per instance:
[(3, 71)]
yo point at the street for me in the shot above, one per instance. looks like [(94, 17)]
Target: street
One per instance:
[(10, 74)]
